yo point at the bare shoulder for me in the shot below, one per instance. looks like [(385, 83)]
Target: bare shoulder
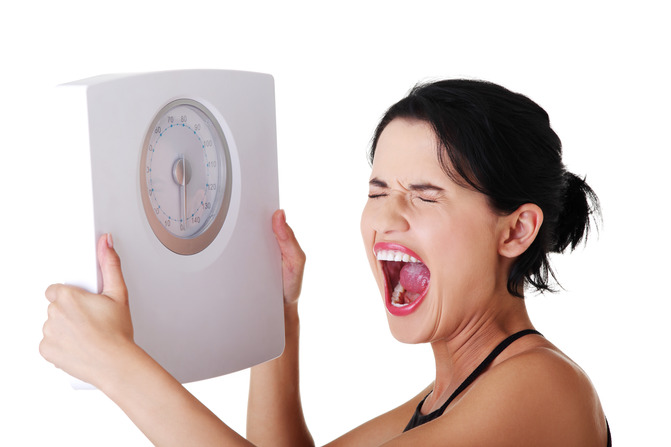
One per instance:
[(384, 427), (537, 396), (545, 374)]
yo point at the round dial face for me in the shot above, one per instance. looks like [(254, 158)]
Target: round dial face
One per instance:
[(185, 176)]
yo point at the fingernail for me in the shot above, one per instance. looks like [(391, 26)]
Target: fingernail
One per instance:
[(110, 242)]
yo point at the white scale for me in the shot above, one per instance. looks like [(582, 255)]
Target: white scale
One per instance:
[(181, 168)]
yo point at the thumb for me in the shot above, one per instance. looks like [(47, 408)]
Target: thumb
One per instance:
[(114, 285)]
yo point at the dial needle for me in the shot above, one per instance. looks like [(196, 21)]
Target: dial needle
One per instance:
[(184, 217), (179, 175)]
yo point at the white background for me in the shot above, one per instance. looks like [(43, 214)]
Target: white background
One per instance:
[(600, 69)]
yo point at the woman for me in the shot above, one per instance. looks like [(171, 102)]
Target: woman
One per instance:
[(468, 195)]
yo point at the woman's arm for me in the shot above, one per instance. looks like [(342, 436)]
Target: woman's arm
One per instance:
[(274, 413), (91, 337), (162, 408)]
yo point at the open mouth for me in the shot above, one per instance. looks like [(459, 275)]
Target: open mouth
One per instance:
[(407, 277)]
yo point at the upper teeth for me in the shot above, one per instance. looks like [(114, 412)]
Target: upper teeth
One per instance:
[(394, 255)]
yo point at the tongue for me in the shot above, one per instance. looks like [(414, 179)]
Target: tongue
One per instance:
[(415, 277)]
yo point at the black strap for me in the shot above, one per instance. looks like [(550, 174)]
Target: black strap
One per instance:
[(418, 418)]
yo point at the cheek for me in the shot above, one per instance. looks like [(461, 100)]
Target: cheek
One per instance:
[(368, 236), (363, 224), (465, 259), (370, 215), (367, 232)]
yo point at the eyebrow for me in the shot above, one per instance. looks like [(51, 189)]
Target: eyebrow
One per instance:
[(377, 182), (413, 187), (425, 187)]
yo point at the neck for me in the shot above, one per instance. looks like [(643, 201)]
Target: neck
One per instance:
[(457, 356)]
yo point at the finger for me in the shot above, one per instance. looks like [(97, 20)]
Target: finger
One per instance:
[(44, 349), (114, 285), (293, 257), (53, 292), (291, 249), (280, 225)]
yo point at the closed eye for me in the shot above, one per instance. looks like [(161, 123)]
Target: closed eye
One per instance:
[(426, 188), (377, 184)]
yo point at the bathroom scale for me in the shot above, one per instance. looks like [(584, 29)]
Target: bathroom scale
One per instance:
[(181, 168)]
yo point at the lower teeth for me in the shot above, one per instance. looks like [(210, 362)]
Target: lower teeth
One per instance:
[(401, 297), (396, 296)]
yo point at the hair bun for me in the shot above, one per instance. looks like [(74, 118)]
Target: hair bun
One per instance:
[(581, 204)]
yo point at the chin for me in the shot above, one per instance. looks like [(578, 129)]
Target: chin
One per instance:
[(410, 329)]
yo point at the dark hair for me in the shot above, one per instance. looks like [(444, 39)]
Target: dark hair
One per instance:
[(500, 143)]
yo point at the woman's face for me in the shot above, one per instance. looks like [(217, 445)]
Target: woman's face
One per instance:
[(415, 209)]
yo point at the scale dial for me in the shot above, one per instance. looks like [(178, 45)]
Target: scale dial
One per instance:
[(185, 176)]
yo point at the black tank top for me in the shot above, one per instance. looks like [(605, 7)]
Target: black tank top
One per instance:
[(418, 418)]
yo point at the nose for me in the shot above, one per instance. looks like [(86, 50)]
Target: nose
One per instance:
[(392, 215)]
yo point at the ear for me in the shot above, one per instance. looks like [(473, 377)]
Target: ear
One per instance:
[(519, 230)]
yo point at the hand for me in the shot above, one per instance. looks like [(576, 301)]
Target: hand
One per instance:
[(293, 258), (85, 333)]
